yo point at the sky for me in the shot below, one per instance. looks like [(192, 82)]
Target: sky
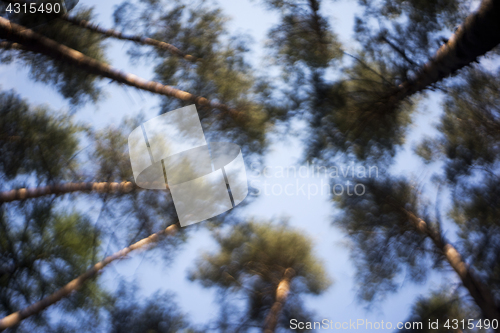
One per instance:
[(310, 211)]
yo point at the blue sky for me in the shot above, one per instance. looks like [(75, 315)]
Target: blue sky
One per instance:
[(313, 214)]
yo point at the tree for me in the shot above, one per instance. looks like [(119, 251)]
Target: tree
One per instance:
[(76, 85), (392, 233), (27, 134), (268, 263), (365, 115), (107, 178), (365, 112), (145, 212), (441, 308), (243, 120), (158, 313), (38, 256), (468, 147), (221, 74), (361, 112), (471, 40)]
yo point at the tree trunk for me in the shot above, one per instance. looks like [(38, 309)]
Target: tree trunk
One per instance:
[(99, 187), (37, 43), (479, 34), (478, 291), (58, 189), (138, 39), (281, 294), (17, 317)]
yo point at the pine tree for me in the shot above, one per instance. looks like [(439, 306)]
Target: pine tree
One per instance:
[(38, 256), (440, 308), (158, 313), (268, 263), (392, 233)]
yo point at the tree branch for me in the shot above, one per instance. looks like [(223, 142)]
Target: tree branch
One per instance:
[(46, 46), (17, 317), (59, 189), (399, 50), (134, 38), (477, 35)]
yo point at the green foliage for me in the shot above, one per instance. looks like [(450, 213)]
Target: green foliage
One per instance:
[(428, 150), (476, 210), (303, 35), (223, 74), (34, 140), (264, 250), (156, 314), (443, 307), (468, 144), (407, 33), (470, 126), (40, 251), (418, 11), (253, 257), (145, 212), (72, 83), (386, 244), (355, 115), (110, 154)]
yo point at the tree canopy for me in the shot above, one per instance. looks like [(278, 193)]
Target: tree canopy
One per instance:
[(70, 209)]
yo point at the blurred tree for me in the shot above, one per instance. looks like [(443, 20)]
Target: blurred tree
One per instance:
[(221, 73), (35, 141), (233, 107), (157, 314), (40, 250), (468, 144), (79, 86), (404, 46), (476, 211), (305, 48), (134, 38), (444, 308), (469, 128), (392, 233), (268, 263), (365, 112), (34, 134)]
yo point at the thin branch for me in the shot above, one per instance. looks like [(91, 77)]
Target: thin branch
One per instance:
[(134, 38), (368, 67), (16, 317), (399, 50), (46, 46)]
